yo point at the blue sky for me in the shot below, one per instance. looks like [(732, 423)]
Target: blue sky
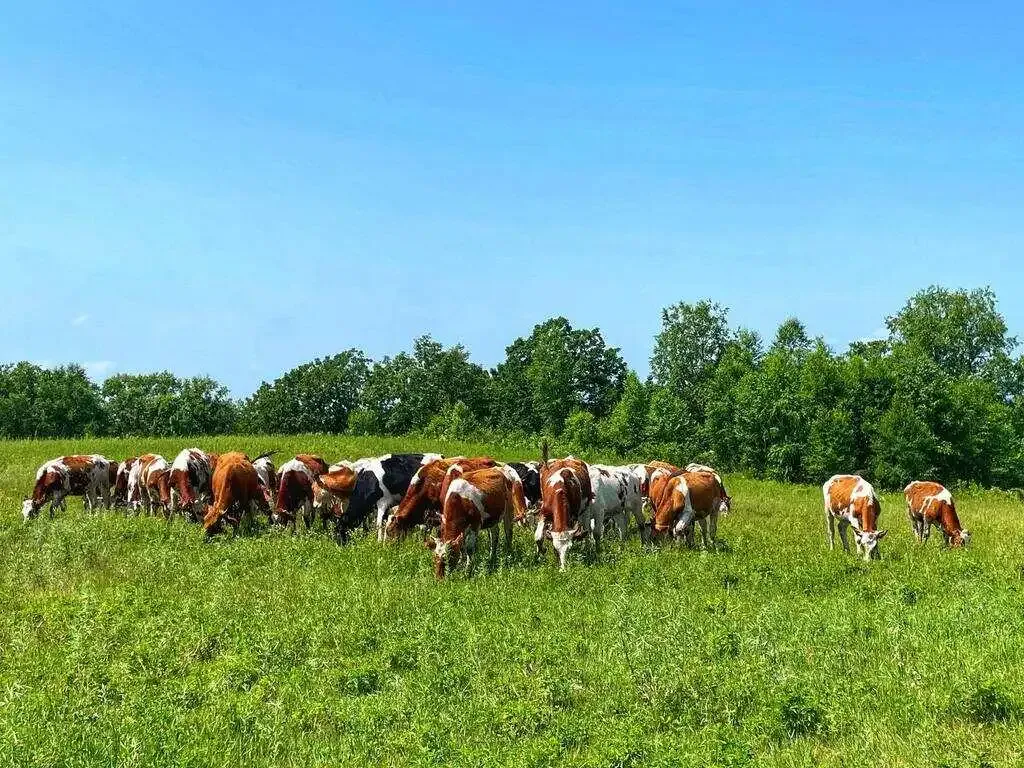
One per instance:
[(235, 189)]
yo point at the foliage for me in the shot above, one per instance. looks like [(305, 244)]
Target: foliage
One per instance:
[(942, 397)]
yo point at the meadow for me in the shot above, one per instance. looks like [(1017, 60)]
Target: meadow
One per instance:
[(130, 641)]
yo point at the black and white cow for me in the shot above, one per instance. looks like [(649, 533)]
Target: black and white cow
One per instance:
[(380, 485), (529, 474)]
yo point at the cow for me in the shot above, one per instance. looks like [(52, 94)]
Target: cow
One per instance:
[(566, 494), (316, 465), (120, 494), (422, 501), (931, 504), (85, 476), (851, 501), (618, 495), (682, 498), (475, 501), (267, 474), (190, 480), (295, 493), (529, 475), (155, 484), (331, 492), (236, 494), (380, 484), (135, 490)]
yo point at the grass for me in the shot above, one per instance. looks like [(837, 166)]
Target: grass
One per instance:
[(127, 641)]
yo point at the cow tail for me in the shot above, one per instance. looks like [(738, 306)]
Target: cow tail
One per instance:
[(518, 502)]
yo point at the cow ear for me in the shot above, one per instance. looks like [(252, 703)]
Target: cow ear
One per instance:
[(882, 534)]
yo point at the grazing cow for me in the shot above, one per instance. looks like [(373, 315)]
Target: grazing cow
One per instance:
[(331, 492), (85, 476), (316, 465), (930, 504), (190, 480), (565, 495), (136, 495), (475, 501), (236, 494), (380, 485), (267, 474), (682, 498), (850, 500), (422, 501), (121, 483), (618, 495), (155, 483), (529, 475), (294, 493)]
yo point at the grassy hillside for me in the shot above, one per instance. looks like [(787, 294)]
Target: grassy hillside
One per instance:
[(128, 641)]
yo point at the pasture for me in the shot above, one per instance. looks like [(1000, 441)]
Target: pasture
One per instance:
[(129, 641)]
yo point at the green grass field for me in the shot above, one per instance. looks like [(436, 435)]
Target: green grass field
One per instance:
[(127, 641)]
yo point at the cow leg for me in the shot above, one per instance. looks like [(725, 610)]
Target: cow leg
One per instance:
[(843, 525), (507, 524), (830, 529), (704, 533), (382, 514), (597, 531), (307, 514), (926, 529), (621, 524), (494, 535), (538, 537)]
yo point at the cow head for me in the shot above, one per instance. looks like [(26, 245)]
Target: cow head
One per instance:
[(725, 506), (444, 552), (868, 541), (960, 538), (213, 521), (29, 509)]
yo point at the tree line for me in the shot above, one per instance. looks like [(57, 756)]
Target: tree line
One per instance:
[(940, 397)]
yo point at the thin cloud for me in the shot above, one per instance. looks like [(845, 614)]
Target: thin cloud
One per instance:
[(879, 334), (80, 320), (98, 369)]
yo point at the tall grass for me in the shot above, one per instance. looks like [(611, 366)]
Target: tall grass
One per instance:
[(130, 641)]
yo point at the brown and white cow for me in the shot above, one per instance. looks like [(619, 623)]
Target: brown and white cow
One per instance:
[(295, 493), (236, 494), (267, 474), (85, 476), (121, 482), (476, 501), (421, 504), (190, 479), (683, 498), (931, 504), (316, 464), (566, 494), (155, 483), (331, 493), (850, 500)]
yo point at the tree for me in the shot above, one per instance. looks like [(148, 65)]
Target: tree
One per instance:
[(689, 345), (904, 446), (39, 402), (962, 331), (556, 370), (624, 428), (405, 392), (313, 397), (160, 404)]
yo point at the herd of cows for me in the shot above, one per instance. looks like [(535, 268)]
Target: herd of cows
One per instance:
[(455, 498)]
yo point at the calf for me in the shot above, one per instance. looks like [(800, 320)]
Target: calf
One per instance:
[(236, 494), (380, 485), (422, 501), (566, 494), (681, 498), (850, 500), (618, 495), (85, 476), (475, 501), (930, 504), (190, 480), (267, 475)]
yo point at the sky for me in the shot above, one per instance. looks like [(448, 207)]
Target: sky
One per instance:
[(234, 189)]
